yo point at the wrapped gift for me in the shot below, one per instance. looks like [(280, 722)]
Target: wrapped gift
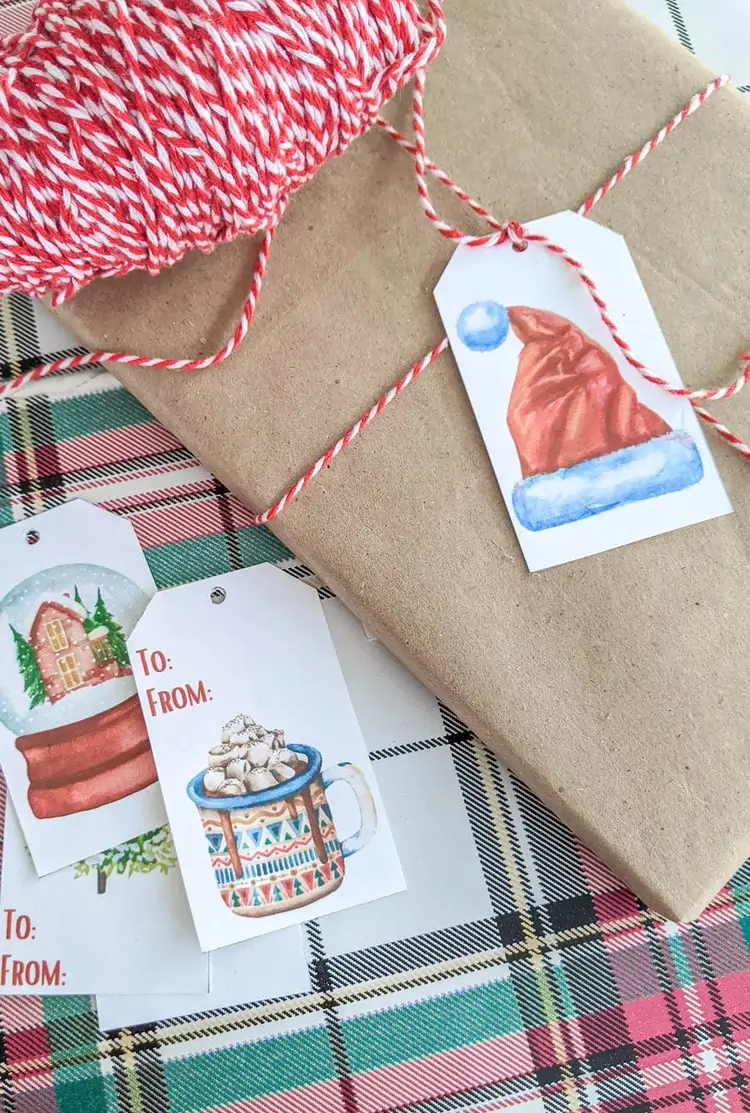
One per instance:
[(614, 686)]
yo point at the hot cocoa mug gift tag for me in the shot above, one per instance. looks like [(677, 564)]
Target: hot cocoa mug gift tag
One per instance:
[(588, 453), (73, 744), (273, 806)]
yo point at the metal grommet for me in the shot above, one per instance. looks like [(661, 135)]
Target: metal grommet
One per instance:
[(32, 537), (218, 595), (520, 245)]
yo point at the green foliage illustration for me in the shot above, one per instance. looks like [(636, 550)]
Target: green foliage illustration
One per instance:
[(102, 616), (144, 854), (28, 667)]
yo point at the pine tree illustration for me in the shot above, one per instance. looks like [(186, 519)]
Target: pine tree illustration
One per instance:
[(28, 666), (144, 854), (102, 616), (88, 622)]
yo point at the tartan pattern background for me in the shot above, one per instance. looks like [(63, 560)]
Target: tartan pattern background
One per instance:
[(566, 995), (553, 990)]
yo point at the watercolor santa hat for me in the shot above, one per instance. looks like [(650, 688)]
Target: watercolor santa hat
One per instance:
[(585, 442)]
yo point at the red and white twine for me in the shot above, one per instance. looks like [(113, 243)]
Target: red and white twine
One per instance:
[(133, 131)]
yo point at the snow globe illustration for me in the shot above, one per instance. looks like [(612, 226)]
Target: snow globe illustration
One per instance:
[(67, 690)]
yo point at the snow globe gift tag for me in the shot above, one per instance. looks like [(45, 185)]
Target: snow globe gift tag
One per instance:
[(73, 744), (272, 803), (587, 453)]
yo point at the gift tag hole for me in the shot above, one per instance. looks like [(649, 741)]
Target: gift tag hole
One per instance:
[(218, 595), (32, 537), (521, 245)]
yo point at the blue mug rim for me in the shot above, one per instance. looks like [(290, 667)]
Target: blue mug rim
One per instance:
[(266, 795)]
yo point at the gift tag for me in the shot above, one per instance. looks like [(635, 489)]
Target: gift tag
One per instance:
[(272, 803), (588, 455), (119, 923), (73, 744), (245, 974)]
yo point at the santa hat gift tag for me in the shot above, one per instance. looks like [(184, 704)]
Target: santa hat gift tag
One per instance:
[(73, 744), (588, 454)]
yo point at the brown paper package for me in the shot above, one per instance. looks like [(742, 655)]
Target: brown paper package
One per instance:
[(617, 686)]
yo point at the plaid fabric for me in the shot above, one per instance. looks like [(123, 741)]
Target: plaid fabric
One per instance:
[(526, 977)]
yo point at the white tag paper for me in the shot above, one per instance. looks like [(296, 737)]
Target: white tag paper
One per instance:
[(589, 456), (120, 925), (73, 744), (272, 803), (257, 970)]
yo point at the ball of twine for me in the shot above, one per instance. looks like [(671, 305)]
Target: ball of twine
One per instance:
[(133, 131)]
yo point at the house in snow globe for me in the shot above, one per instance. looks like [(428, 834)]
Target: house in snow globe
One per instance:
[(68, 655)]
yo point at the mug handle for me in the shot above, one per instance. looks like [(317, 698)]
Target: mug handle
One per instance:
[(356, 780)]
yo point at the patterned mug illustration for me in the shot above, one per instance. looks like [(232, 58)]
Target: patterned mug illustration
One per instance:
[(278, 848)]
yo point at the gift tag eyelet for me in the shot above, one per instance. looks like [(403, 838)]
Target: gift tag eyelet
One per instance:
[(218, 595), (32, 537), (521, 245)]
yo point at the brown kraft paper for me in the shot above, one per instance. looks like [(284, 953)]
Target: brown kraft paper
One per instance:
[(616, 687)]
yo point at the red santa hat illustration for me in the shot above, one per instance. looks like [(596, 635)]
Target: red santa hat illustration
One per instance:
[(585, 442)]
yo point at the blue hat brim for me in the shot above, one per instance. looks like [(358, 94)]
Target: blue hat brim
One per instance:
[(659, 466)]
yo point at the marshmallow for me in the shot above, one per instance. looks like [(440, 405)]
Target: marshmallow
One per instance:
[(230, 728), (231, 787), (212, 780), (277, 737), (259, 754), (220, 756), (238, 769), (282, 772), (258, 779)]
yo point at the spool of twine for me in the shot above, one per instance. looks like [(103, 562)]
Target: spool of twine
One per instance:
[(133, 131)]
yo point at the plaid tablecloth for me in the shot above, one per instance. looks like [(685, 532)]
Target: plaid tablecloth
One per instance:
[(516, 972)]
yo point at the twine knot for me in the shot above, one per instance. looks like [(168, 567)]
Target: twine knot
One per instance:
[(516, 233)]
